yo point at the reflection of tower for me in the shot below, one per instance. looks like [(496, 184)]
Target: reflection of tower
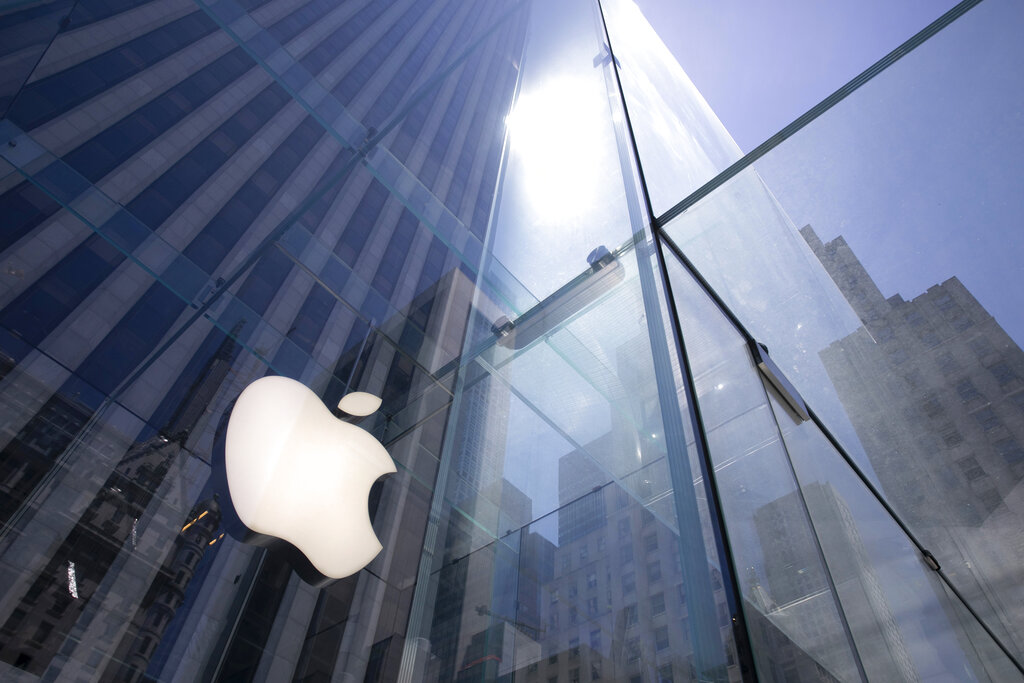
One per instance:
[(432, 326), (958, 379), (109, 524), (480, 450), (487, 605), (166, 593), (935, 389), (793, 582), (616, 606)]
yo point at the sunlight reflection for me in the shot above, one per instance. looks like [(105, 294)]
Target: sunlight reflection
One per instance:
[(553, 130)]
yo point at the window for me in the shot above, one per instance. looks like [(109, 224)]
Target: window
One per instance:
[(930, 339), (948, 364), (651, 543), (592, 580), (584, 553), (665, 674), (966, 390), (884, 334), (628, 582), (572, 590), (646, 517), (592, 606), (931, 406), (654, 571), (987, 418), (574, 648), (595, 640), (944, 301), (951, 437), (1003, 373), (632, 615), (626, 553), (971, 468), (633, 650), (658, 604), (981, 346), (661, 638), (42, 632), (623, 528), (601, 544), (962, 323)]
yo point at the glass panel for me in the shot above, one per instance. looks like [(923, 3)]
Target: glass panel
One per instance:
[(788, 596), (427, 72), (681, 142), (762, 66), (593, 591), (118, 507), (906, 623), (895, 309), (555, 427), (560, 194), (559, 416)]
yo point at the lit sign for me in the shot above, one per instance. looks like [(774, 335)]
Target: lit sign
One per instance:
[(296, 472)]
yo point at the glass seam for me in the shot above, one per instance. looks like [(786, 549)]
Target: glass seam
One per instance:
[(740, 630)]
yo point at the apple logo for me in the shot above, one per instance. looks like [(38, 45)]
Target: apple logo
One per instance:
[(296, 472)]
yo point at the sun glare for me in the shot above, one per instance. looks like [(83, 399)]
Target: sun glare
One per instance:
[(556, 136)]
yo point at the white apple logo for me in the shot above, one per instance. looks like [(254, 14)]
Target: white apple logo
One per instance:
[(296, 472)]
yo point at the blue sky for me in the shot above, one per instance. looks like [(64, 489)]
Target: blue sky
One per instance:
[(762, 63), (920, 170)]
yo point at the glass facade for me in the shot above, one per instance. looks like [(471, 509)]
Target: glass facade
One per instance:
[(647, 428)]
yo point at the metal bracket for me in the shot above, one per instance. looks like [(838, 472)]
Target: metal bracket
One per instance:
[(785, 389)]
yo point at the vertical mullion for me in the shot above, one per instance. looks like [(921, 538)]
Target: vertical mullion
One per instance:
[(659, 343)]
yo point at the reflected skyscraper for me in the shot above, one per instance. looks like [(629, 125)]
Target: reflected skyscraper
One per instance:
[(960, 380), (203, 215)]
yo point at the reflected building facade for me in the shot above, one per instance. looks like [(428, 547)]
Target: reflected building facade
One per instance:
[(358, 195), (186, 178), (959, 380)]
